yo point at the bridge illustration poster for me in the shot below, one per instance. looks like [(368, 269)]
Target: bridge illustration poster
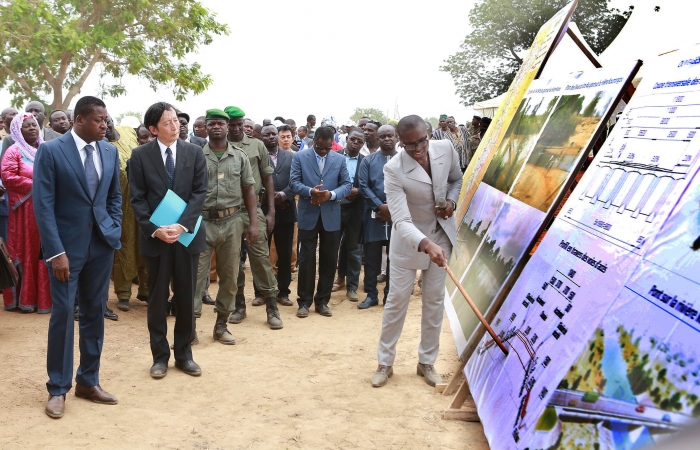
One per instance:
[(551, 132), (604, 321)]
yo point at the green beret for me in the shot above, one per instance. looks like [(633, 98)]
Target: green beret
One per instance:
[(234, 112), (443, 116), (216, 114)]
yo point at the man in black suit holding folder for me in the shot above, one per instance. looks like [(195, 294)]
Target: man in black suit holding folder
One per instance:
[(169, 163)]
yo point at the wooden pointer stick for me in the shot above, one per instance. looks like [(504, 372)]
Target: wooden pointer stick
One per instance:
[(476, 310)]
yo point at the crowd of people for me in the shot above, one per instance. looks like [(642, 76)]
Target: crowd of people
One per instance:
[(274, 194)]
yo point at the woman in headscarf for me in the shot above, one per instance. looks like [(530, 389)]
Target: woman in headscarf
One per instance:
[(32, 292)]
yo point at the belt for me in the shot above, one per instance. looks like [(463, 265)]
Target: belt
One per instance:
[(214, 214)]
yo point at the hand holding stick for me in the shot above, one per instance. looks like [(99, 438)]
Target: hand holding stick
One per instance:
[(496, 339)]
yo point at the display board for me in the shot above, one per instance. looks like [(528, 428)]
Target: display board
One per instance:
[(602, 325), (542, 47), (549, 135)]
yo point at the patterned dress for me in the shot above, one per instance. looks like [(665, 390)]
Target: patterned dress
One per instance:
[(32, 292)]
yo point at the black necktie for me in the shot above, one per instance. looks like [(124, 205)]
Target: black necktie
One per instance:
[(169, 165)]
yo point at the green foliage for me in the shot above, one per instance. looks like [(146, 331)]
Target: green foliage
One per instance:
[(48, 48), (562, 124), (503, 31), (137, 114), (434, 121), (547, 420), (640, 380), (372, 113), (662, 375), (696, 410)]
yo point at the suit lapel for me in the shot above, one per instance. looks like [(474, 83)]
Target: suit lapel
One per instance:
[(437, 167), (157, 160), (70, 151), (314, 164), (281, 160), (107, 166), (327, 164), (413, 170)]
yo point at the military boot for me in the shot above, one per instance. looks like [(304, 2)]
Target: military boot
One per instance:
[(273, 314), (238, 313), (221, 333)]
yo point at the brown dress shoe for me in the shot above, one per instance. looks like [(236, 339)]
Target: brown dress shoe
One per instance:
[(55, 406), (284, 300), (96, 394)]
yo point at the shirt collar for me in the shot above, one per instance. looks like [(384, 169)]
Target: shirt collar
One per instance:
[(80, 143), (163, 147)]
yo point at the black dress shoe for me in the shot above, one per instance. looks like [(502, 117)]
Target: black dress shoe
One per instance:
[(109, 314), (303, 311), (207, 300), (159, 370), (368, 302), (143, 298), (324, 310), (171, 306), (76, 314), (189, 367)]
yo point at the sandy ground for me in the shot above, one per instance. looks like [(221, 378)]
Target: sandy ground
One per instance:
[(306, 386)]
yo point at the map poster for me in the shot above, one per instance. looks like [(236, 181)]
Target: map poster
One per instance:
[(551, 132), (545, 41), (603, 324)]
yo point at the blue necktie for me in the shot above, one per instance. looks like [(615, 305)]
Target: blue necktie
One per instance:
[(90, 172), (170, 165), (321, 164)]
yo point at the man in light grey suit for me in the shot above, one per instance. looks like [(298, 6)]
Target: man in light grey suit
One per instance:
[(422, 186)]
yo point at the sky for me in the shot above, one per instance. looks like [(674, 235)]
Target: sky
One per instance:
[(292, 58)]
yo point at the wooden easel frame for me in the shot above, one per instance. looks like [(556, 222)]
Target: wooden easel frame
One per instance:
[(462, 406)]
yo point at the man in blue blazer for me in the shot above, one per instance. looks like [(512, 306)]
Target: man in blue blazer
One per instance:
[(320, 178), (77, 202)]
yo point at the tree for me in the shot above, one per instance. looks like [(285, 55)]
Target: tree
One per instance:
[(434, 121), (137, 114), (49, 48), (503, 31), (372, 113)]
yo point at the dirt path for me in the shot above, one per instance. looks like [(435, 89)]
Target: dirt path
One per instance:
[(306, 386)]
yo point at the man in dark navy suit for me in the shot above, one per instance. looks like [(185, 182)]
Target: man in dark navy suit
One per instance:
[(169, 163), (77, 202), (285, 207), (320, 178)]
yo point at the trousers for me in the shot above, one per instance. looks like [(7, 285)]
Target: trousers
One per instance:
[(259, 256), (327, 261), (433, 298), (223, 239)]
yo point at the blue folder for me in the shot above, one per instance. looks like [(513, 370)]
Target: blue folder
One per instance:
[(169, 212)]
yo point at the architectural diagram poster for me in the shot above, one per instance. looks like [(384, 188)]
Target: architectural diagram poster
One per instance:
[(545, 41), (603, 323), (551, 131)]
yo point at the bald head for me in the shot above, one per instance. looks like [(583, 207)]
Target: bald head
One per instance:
[(410, 123), (6, 117), (37, 109)]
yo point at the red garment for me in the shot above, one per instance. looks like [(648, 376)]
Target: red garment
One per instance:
[(336, 147), (23, 237)]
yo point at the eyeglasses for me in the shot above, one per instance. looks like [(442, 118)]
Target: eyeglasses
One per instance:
[(420, 144)]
